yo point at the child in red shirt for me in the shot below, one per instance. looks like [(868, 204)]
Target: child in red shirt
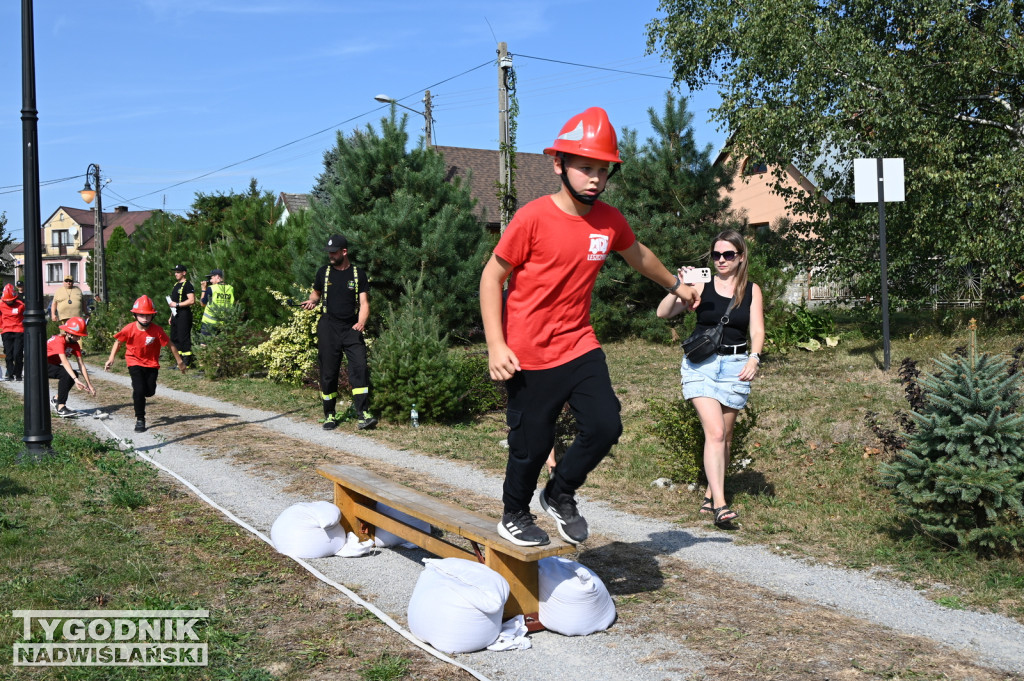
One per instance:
[(541, 341), (143, 340), (12, 328), (58, 349)]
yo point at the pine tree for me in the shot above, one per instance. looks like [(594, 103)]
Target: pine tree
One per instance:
[(668, 189), (234, 232), (403, 221), (961, 476)]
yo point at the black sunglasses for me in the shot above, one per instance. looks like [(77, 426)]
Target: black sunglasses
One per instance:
[(728, 255)]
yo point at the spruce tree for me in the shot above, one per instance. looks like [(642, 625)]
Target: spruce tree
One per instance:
[(669, 190), (403, 221), (961, 477)]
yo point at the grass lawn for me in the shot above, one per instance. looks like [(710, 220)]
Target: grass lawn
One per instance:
[(95, 529)]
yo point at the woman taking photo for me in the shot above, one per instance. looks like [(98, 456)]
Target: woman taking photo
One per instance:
[(719, 386)]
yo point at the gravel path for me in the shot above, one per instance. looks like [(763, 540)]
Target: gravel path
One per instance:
[(388, 577)]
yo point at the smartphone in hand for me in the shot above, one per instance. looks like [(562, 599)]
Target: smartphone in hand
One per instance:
[(697, 275)]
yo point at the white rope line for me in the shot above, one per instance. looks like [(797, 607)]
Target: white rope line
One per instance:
[(354, 597)]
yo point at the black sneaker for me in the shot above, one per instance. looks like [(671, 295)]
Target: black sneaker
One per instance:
[(520, 529), (66, 413), (571, 525), (330, 422), (367, 423), (140, 425)]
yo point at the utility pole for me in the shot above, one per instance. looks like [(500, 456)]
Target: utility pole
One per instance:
[(505, 159), (429, 116)]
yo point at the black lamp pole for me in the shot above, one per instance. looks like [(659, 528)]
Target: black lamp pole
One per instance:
[(38, 435), (100, 266)]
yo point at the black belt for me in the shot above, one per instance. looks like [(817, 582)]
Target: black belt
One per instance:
[(732, 349)]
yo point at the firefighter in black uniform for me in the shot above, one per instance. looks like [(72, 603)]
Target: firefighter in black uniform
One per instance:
[(342, 289), (182, 299)]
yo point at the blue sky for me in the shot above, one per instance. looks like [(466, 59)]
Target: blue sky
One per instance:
[(161, 92)]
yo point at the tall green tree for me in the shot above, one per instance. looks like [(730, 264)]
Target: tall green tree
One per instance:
[(821, 82), (5, 241), (404, 223), (238, 233), (669, 190)]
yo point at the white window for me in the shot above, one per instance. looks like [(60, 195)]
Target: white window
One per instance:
[(54, 273), (74, 271), (60, 237)]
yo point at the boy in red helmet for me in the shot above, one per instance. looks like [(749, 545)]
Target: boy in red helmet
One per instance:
[(12, 329), (143, 340), (58, 349), (541, 341)]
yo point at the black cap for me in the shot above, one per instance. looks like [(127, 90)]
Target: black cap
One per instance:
[(180, 268), (217, 273), (336, 243), (19, 283)]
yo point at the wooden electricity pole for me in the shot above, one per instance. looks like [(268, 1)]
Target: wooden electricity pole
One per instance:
[(505, 159)]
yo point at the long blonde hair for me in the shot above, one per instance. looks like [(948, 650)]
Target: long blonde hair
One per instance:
[(737, 240)]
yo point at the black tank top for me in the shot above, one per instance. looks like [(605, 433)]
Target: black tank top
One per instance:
[(712, 308)]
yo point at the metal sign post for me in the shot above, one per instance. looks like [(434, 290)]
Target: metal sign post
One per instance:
[(869, 182)]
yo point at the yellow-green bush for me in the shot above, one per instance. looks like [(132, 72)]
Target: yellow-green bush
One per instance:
[(289, 355)]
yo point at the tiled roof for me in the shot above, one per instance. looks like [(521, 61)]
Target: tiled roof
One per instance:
[(535, 177), (294, 202)]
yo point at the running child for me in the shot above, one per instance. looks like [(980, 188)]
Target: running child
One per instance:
[(541, 341), (143, 340), (58, 349)]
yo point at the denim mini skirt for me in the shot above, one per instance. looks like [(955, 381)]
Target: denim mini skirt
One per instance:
[(716, 377)]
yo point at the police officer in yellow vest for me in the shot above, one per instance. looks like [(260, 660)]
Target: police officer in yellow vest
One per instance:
[(218, 298)]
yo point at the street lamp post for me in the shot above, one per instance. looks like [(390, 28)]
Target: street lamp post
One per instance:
[(38, 434), (427, 113), (100, 266)]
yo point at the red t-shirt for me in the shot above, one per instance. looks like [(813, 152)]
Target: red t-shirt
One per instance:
[(143, 344), (555, 260), (12, 317), (60, 345)]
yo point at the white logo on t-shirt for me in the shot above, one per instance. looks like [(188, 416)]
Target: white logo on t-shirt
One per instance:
[(598, 247), (150, 340)]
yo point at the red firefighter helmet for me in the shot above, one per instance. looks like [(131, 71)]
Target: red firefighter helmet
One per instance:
[(143, 305), (76, 326), (589, 134), (9, 293)]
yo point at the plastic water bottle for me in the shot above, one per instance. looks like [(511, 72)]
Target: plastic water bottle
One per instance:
[(415, 416)]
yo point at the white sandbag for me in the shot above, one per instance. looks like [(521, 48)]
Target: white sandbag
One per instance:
[(573, 600), (457, 604), (308, 530), (384, 539)]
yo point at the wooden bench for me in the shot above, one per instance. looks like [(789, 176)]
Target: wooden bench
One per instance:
[(356, 492)]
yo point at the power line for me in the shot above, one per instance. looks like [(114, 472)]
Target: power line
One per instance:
[(14, 188), (301, 139), (588, 66)]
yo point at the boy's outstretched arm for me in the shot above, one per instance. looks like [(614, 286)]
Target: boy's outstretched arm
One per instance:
[(502, 362), (113, 355), (643, 260)]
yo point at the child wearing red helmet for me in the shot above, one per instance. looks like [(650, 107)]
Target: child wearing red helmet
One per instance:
[(58, 349), (12, 329), (541, 342), (143, 340)]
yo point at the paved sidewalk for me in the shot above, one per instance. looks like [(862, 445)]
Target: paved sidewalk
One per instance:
[(387, 578)]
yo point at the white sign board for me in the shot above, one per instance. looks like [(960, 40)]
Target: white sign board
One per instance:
[(865, 180)]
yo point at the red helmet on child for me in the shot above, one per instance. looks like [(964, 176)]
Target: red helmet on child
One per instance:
[(9, 293), (589, 134), (143, 305), (76, 326)]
